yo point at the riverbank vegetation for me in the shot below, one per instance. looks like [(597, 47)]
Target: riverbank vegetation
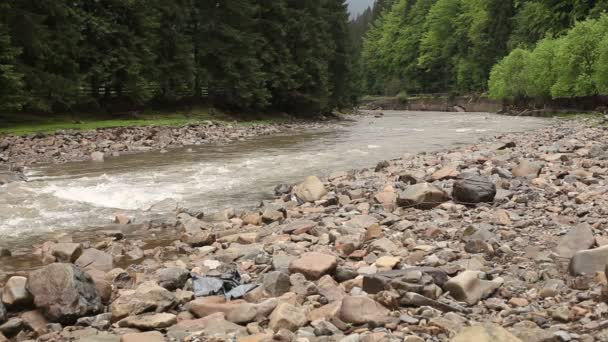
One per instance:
[(452, 46), (280, 55)]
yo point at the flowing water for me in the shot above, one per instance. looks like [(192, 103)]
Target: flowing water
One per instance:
[(74, 196)]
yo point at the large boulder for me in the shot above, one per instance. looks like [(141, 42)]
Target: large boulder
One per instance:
[(474, 189), (312, 189), (64, 293), (422, 196)]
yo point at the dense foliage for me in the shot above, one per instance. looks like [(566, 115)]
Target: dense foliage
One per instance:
[(244, 54), (573, 65), (431, 46)]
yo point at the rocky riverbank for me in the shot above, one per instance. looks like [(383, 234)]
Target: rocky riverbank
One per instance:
[(68, 146), (503, 241)]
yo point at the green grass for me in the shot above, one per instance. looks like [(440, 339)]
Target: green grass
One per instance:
[(25, 124)]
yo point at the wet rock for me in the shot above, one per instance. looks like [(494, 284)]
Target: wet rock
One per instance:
[(470, 288), (148, 297), (149, 321), (95, 259), (474, 189), (312, 189), (362, 310), (589, 261), (4, 252), (485, 333), (287, 316), (15, 293), (66, 252), (64, 293), (172, 278), (422, 196), (577, 239), (314, 265)]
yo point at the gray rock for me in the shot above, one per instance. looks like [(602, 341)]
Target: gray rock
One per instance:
[(474, 189), (287, 316), (64, 293), (577, 239), (172, 278), (589, 261), (470, 288), (2, 313), (276, 283)]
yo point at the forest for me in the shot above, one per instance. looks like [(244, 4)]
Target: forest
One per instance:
[(539, 49), (282, 55)]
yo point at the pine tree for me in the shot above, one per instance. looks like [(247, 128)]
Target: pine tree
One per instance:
[(11, 85)]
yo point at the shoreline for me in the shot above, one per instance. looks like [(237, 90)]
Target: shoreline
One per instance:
[(74, 146), (366, 252)]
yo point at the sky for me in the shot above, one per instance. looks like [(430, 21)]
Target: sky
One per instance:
[(358, 6)]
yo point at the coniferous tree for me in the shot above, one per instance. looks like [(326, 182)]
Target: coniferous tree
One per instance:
[(11, 84)]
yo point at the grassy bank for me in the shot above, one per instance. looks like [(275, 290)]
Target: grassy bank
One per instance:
[(24, 123)]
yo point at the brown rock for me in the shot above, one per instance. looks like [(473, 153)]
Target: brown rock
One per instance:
[(447, 172), (526, 169), (485, 333), (362, 310), (150, 336), (206, 306), (314, 265), (312, 189), (287, 316), (149, 321), (66, 252), (15, 293), (93, 258), (35, 321), (470, 288), (148, 297), (422, 196)]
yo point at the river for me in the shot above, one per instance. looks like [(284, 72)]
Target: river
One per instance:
[(75, 196)]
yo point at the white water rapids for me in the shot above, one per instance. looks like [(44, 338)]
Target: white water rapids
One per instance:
[(74, 196)]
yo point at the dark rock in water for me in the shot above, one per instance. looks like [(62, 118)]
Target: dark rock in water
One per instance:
[(4, 252), (382, 165), (282, 189), (474, 189), (2, 313), (64, 293)]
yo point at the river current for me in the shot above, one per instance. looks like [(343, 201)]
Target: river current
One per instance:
[(75, 196)]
